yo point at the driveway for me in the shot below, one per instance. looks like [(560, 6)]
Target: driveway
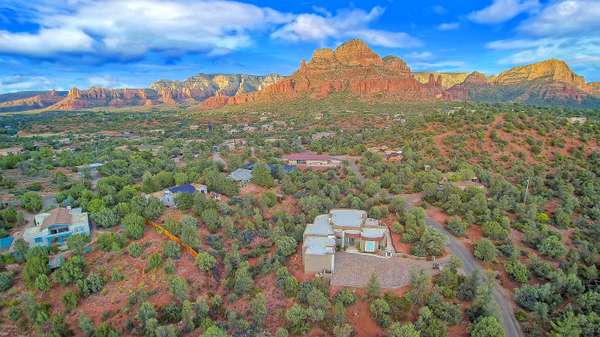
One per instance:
[(355, 269), (502, 297)]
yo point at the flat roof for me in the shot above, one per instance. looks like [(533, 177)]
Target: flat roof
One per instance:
[(347, 217), (320, 227)]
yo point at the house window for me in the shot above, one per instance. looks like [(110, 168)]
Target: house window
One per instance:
[(38, 240), (369, 246)]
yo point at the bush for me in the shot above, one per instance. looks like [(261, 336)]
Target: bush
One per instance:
[(345, 296), (92, 284), (552, 246), (487, 327), (494, 230), (485, 250), (6, 280), (135, 249), (171, 249), (286, 245), (205, 261), (380, 311), (31, 201), (134, 226), (517, 270), (457, 227)]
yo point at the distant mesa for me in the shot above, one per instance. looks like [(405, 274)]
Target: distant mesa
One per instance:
[(351, 68)]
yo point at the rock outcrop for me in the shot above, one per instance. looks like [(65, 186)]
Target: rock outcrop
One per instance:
[(352, 67), (548, 82), (38, 100), (188, 92), (448, 79)]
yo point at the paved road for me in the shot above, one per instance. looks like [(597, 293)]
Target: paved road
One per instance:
[(502, 298)]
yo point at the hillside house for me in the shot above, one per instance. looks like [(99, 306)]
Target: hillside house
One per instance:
[(56, 226), (167, 197), (311, 160), (345, 229)]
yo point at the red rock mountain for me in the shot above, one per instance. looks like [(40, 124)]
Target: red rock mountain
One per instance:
[(352, 67), (190, 91), (36, 100)]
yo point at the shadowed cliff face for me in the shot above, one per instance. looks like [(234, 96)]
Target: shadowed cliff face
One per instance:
[(352, 67)]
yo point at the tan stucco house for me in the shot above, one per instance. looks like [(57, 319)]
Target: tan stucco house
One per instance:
[(344, 229)]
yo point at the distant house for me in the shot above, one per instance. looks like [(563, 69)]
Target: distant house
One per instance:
[(348, 229), (56, 226), (311, 160), (272, 167), (242, 176), (232, 144), (167, 197)]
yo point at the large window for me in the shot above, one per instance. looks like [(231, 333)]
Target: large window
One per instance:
[(369, 246)]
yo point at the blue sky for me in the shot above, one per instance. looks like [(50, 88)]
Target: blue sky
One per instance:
[(47, 44)]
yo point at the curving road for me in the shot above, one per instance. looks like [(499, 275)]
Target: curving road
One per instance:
[(501, 296)]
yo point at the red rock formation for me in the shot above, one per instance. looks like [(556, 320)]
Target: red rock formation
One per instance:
[(353, 68)]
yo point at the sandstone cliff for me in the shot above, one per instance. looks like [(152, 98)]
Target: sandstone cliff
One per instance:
[(352, 67), (37, 100), (448, 79)]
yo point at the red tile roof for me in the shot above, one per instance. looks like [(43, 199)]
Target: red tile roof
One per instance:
[(57, 216)]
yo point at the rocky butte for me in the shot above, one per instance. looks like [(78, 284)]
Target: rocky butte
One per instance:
[(352, 67)]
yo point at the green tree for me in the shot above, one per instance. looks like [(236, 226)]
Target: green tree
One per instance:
[(403, 330), (485, 250), (134, 226), (489, 326), (214, 331), (286, 245), (42, 283), (205, 261), (258, 310), (179, 288), (36, 265), (86, 325), (373, 287), (380, 311), (243, 281), (6, 280), (31, 201), (77, 242), (105, 218), (261, 175)]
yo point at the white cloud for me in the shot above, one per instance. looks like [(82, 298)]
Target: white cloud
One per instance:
[(21, 83), (448, 26), (116, 29), (563, 29), (564, 17), (45, 42), (439, 9), (345, 24), (424, 55), (503, 10)]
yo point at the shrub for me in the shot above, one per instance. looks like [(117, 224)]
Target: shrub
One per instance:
[(345, 296), (6, 280), (286, 245), (552, 246), (171, 249), (134, 226), (205, 261), (380, 310), (487, 326), (135, 249), (92, 284), (456, 226), (485, 250), (517, 270)]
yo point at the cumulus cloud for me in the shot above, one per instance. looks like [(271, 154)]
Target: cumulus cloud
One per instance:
[(320, 27), (21, 83), (568, 30), (564, 17), (503, 10), (117, 29), (448, 26)]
